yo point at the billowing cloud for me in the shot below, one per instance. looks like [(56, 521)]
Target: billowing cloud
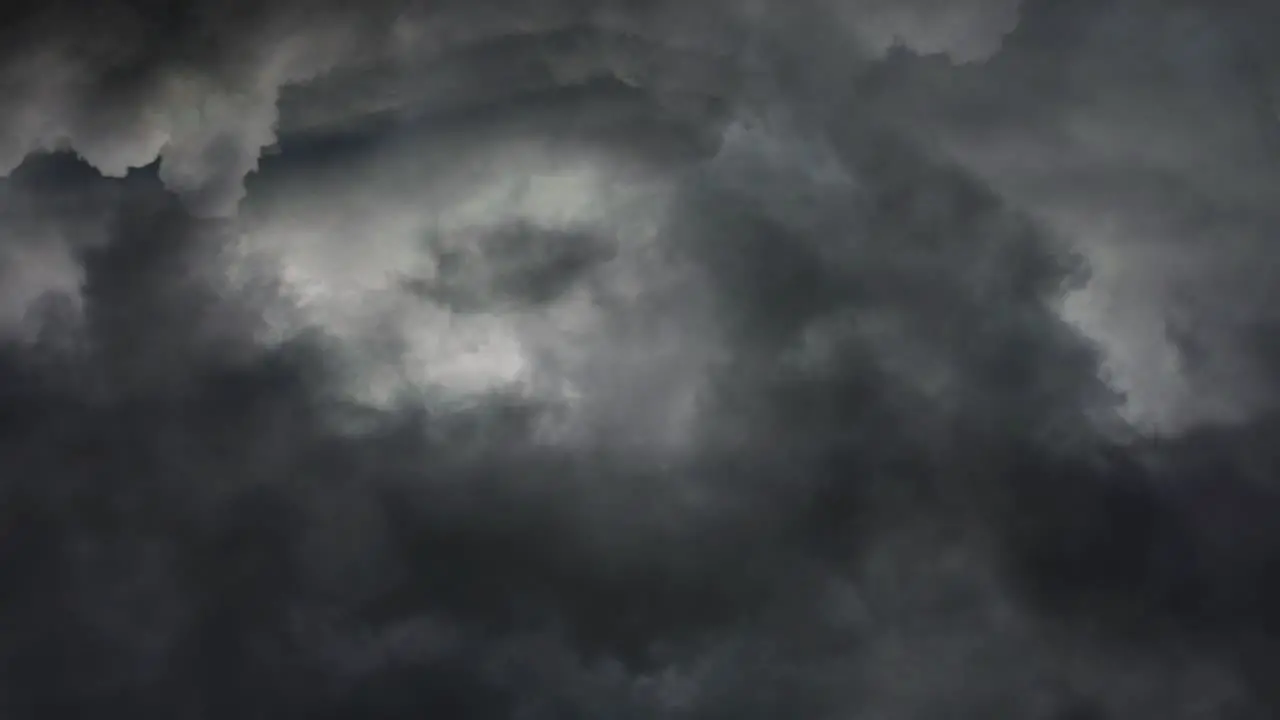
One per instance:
[(636, 360), (1146, 138)]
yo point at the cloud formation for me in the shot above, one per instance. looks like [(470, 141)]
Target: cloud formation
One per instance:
[(1147, 138), (612, 359)]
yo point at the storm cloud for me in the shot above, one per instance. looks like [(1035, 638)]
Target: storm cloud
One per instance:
[(638, 359)]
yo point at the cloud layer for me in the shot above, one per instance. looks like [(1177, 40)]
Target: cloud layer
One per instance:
[(637, 360)]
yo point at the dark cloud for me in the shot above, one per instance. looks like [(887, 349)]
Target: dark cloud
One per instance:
[(1147, 135), (637, 360)]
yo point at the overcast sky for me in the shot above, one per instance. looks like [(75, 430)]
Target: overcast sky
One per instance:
[(611, 359)]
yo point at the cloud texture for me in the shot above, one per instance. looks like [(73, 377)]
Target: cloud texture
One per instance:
[(638, 360)]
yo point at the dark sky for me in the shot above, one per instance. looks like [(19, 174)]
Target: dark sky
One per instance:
[(812, 359)]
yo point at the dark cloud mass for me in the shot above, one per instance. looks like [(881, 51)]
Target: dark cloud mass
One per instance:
[(612, 359)]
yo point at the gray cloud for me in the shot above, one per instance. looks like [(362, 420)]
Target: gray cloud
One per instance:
[(964, 32), (197, 88), (636, 360), (200, 88), (1144, 136)]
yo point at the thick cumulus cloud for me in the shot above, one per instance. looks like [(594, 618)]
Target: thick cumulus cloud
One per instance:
[(199, 86), (1146, 134), (613, 359)]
